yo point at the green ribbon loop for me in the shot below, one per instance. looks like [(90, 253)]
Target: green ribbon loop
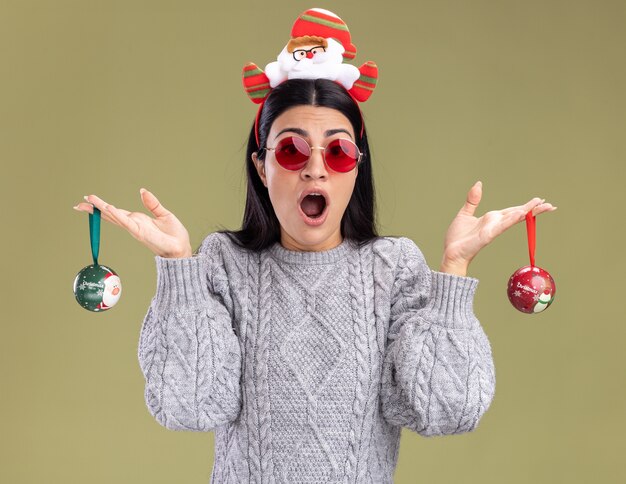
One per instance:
[(94, 233)]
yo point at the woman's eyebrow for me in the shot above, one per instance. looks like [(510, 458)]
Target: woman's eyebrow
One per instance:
[(302, 132)]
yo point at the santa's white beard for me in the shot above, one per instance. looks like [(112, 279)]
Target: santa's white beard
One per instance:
[(109, 299), (308, 69)]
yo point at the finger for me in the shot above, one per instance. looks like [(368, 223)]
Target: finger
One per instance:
[(473, 199), (518, 214), (96, 201), (524, 209), (124, 220), (152, 203), (544, 207), (93, 200), (88, 207)]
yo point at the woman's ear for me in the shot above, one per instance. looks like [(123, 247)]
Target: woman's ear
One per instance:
[(260, 168)]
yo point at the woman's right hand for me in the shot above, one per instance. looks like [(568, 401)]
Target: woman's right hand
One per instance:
[(164, 235)]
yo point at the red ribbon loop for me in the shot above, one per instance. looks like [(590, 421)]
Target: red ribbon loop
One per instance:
[(531, 230)]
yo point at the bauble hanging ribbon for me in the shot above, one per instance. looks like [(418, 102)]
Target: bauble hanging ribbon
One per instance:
[(96, 287), (531, 289)]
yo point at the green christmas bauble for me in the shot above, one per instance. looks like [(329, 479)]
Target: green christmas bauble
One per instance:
[(97, 287)]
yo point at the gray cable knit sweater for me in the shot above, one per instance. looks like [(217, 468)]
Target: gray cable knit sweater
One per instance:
[(308, 364)]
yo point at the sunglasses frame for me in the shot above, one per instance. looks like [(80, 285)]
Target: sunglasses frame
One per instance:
[(323, 148)]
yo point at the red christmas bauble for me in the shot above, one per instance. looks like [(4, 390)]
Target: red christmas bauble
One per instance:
[(531, 289)]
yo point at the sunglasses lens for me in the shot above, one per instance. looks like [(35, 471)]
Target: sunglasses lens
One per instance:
[(342, 155), (292, 153)]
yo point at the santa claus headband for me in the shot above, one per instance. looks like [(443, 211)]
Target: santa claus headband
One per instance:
[(319, 42)]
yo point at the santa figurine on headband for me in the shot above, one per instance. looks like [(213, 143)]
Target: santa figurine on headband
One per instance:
[(319, 43)]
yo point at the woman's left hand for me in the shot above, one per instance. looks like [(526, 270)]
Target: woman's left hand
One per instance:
[(468, 234)]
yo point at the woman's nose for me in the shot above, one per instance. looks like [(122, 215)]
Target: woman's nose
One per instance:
[(315, 167)]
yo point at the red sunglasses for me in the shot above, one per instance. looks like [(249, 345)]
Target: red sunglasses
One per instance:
[(293, 153)]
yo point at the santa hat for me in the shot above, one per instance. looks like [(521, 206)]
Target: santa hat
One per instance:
[(323, 23), (110, 272)]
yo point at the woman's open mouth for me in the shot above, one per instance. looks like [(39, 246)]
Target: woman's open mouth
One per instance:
[(314, 209)]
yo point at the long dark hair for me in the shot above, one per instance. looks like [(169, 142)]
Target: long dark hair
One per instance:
[(260, 227)]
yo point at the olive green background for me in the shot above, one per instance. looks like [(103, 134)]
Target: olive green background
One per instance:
[(107, 97)]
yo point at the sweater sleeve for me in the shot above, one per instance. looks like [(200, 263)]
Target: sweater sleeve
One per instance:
[(188, 352), (438, 371)]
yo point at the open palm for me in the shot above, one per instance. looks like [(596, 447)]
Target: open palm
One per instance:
[(164, 234), (468, 234)]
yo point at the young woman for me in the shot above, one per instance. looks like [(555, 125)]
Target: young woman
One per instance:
[(306, 342)]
